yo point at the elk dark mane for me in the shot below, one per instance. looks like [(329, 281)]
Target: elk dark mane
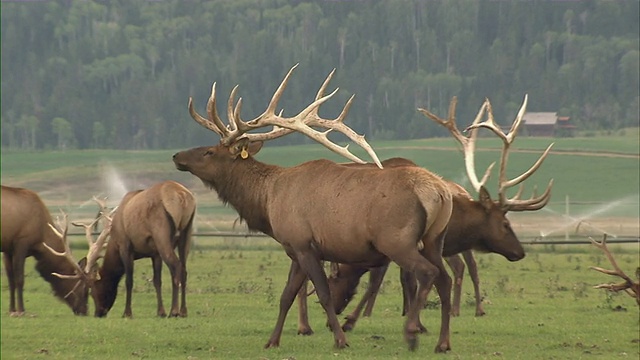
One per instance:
[(47, 264)]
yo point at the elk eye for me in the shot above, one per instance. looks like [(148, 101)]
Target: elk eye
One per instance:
[(207, 153)]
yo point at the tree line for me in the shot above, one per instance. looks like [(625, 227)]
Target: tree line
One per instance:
[(118, 74)]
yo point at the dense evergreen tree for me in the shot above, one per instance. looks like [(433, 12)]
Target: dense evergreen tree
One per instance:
[(118, 74)]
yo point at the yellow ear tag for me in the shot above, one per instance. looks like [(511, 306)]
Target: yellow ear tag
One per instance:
[(244, 153)]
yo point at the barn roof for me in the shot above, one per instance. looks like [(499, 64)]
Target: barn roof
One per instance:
[(540, 118)]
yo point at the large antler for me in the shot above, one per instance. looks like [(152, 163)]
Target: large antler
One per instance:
[(95, 246), (628, 286), (514, 203), (64, 226), (303, 122), (468, 143)]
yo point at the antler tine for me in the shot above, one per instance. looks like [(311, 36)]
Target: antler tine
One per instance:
[(212, 112), (338, 125), (201, 120), (67, 250), (468, 143), (533, 203), (507, 139), (95, 246), (631, 288), (280, 131)]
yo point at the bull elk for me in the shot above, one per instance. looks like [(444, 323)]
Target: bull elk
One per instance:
[(321, 210), (479, 225), (148, 223), (25, 232)]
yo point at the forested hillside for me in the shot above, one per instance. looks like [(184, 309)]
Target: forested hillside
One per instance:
[(118, 74)]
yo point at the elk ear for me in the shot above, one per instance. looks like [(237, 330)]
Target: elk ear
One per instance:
[(485, 198), (254, 147), (244, 148)]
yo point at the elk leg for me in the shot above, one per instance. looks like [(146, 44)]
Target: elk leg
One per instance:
[(432, 252), (128, 270), (369, 298), (8, 266), (294, 282), (163, 236), (156, 262), (473, 273), (183, 252), (312, 266), (353, 317), (457, 266), (376, 275), (18, 278), (409, 292), (303, 313), (175, 267)]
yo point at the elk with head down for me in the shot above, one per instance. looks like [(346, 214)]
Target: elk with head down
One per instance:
[(25, 232), (479, 225), (147, 223), (320, 210)]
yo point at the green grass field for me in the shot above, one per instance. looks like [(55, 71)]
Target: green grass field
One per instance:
[(542, 307)]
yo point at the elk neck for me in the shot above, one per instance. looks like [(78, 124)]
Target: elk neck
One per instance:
[(463, 231), (112, 268), (48, 263), (245, 186)]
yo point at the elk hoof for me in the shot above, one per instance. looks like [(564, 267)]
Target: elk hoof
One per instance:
[(347, 327), (272, 344), (341, 344), (305, 331), (413, 343), (349, 324), (443, 348), (480, 313), (16, 313)]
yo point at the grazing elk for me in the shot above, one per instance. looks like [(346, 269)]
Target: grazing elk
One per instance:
[(148, 223), (474, 225), (87, 266), (320, 210), (25, 232)]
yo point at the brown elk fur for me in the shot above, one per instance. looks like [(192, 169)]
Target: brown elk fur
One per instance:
[(320, 210), (148, 223), (474, 225), (25, 228)]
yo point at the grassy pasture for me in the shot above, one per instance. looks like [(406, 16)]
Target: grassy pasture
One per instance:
[(598, 175), (543, 307)]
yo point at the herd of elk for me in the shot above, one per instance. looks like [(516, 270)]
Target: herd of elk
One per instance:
[(147, 223), (317, 211), (321, 210), (479, 225), (25, 232)]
